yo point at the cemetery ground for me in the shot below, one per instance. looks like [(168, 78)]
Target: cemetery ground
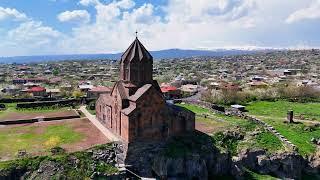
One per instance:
[(38, 138), (300, 133)]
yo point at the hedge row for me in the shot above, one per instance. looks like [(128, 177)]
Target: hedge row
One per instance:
[(61, 103), (18, 100)]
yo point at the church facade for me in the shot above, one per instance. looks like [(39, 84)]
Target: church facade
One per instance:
[(135, 109)]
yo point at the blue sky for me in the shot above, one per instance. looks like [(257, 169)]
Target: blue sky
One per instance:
[(35, 27)]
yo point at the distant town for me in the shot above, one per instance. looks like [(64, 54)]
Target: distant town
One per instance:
[(178, 77), (252, 116)]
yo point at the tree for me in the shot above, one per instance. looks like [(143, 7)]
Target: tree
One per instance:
[(55, 72), (77, 94)]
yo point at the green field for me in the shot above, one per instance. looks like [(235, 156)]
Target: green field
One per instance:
[(35, 139), (11, 107), (264, 140), (196, 109), (275, 113), (279, 109)]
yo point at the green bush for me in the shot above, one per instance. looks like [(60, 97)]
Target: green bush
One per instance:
[(226, 142)]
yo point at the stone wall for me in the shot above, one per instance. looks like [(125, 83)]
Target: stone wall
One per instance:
[(271, 129), (240, 114), (69, 102)]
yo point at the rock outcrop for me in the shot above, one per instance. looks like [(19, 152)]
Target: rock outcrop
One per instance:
[(197, 157), (181, 158), (98, 162), (314, 163), (282, 165)]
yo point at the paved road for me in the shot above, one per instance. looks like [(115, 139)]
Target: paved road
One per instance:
[(98, 124)]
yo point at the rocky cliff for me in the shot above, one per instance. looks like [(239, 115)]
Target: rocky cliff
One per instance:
[(196, 157)]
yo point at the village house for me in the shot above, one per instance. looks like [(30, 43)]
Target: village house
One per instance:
[(19, 81), (95, 92), (189, 89), (85, 86), (53, 93), (257, 84), (170, 92), (36, 91), (135, 109)]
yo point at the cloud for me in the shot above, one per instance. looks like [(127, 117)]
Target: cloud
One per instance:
[(8, 13), (32, 32), (126, 4), (89, 2), (186, 24), (80, 16), (197, 11), (311, 12), (116, 22), (27, 36), (142, 15)]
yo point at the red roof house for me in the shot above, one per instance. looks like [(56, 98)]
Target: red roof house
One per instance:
[(37, 91)]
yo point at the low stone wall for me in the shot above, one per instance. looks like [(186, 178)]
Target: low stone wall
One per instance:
[(240, 114), (68, 102), (272, 130), (12, 100), (19, 100), (27, 121)]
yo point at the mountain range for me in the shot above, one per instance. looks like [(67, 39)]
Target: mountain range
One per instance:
[(162, 54)]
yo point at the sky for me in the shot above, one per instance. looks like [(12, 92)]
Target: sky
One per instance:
[(49, 27)]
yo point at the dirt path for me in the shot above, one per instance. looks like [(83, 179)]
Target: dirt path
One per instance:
[(208, 128), (92, 135), (98, 125)]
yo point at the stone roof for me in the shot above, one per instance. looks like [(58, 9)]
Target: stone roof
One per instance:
[(128, 110), (120, 86), (140, 92), (136, 51)]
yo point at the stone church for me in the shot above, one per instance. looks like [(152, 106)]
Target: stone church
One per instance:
[(135, 109)]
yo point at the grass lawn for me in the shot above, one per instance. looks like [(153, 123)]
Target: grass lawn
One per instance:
[(35, 139), (220, 122), (250, 175), (264, 140), (212, 118), (275, 113), (280, 108), (11, 111), (11, 107), (196, 109)]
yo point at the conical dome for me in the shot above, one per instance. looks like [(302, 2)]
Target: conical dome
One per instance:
[(136, 64), (136, 51)]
